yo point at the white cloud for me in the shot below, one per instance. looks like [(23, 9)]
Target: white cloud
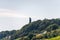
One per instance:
[(11, 13)]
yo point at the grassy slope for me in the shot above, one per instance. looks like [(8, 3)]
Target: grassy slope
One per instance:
[(55, 38), (18, 39)]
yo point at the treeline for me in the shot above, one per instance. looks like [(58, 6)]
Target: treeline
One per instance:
[(7, 33)]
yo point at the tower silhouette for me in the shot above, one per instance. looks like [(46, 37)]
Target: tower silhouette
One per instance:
[(30, 19)]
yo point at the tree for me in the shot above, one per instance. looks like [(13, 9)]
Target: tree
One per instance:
[(52, 27)]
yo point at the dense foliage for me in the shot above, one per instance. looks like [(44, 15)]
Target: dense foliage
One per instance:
[(39, 29)]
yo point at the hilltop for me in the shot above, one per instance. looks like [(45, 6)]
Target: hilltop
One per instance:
[(40, 29)]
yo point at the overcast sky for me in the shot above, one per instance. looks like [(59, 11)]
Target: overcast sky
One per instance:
[(15, 13)]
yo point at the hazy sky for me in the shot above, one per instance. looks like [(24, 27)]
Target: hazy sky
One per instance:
[(15, 13)]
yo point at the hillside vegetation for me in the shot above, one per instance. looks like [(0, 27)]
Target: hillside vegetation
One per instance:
[(55, 38), (40, 29)]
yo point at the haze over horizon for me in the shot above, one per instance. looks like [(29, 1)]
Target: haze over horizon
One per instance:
[(15, 13)]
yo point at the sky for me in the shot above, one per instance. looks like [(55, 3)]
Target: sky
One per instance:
[(14, 14)]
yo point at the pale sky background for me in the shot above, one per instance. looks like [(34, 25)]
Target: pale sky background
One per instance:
[(15, 13)]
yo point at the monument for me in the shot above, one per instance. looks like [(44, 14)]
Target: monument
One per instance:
[(30, 19)]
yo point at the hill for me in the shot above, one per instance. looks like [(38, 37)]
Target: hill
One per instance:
[(40, 26), (46, 28)]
